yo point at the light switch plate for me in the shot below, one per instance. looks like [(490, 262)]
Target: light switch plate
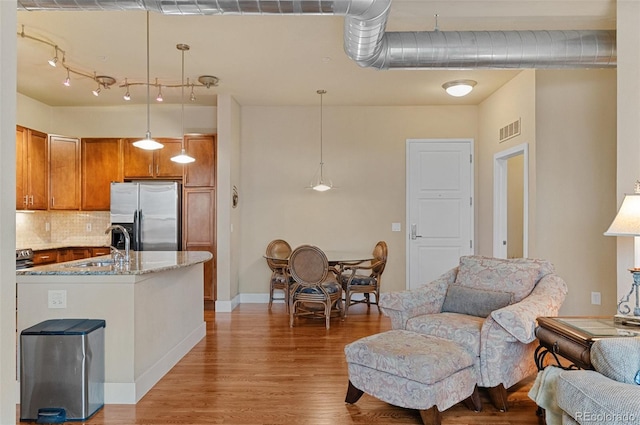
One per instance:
[(396, 227)]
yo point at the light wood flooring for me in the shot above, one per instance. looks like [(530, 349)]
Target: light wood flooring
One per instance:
[(252, 368)]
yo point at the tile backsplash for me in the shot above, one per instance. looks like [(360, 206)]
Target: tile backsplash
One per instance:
[(52, 229)]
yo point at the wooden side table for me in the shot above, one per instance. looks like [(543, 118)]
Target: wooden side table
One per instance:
[(572, 337)]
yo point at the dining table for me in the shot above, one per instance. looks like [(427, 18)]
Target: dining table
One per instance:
[(336, 257)]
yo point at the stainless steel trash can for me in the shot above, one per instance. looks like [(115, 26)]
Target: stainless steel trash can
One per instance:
[(62, 367)]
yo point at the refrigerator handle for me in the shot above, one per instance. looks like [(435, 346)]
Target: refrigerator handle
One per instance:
[(137, 218)]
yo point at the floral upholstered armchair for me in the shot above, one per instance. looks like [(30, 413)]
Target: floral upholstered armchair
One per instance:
[(489, 306)]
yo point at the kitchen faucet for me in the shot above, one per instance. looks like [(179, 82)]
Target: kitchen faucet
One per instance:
[(127, 242)]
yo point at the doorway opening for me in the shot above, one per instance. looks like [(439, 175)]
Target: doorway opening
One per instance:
[(511, 202)]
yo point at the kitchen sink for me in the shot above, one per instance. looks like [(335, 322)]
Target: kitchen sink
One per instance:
[(98, 263)]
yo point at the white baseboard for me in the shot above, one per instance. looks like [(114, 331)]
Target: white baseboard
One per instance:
[(228, 306), (151, 376), (132, 392)]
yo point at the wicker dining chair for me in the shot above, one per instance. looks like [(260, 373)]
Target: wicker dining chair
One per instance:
[(364, 278), (277, 255), (313, 294)]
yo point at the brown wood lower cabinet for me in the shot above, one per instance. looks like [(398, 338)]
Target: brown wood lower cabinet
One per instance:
[(60, 255), (70, 254), (96, 252), (45, 256), (198, 232)]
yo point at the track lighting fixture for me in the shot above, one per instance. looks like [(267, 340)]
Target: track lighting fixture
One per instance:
[(127, 95), (206, 81), (54, 60), (159, 97)]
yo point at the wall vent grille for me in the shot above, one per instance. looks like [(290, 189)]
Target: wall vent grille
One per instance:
[(510, 130)]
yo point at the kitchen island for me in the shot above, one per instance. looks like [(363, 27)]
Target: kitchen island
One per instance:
[(153, 308)]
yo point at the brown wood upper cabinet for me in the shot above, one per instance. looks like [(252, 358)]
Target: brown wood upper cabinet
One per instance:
[(142, 164), (31, 169), (64, 173), (101, 165), (201, 173)]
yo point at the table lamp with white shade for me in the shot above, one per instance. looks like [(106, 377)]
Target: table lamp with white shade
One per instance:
[(627, 223)]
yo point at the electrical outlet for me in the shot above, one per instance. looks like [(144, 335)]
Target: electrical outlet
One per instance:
[(88, 227), (47, 226), (58, 298), (595, 298)]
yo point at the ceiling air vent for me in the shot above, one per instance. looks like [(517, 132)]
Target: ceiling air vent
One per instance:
[(510, 130)]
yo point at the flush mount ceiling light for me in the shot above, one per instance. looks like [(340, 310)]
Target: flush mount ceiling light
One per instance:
[(320, 181), (459, 88), (148, 143), (183, 158)]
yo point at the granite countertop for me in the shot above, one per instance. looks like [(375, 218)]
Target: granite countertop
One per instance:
[(142, 262)]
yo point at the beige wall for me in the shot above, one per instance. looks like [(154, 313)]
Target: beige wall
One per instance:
[(576, 179), (115, 121), (628, 145), (228, 219), (512, 101), (364, 151), (568, 121)]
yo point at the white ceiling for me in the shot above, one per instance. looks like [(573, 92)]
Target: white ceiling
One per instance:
[(271, 60)]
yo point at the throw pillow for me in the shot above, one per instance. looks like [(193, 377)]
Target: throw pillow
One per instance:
[(473, 301), (517, 276)]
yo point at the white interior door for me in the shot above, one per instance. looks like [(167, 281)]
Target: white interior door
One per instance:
[(439, 207)]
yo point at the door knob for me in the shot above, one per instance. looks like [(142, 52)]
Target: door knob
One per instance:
[(414, 232)]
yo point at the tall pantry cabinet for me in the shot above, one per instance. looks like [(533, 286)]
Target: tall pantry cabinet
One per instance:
[(199, 205)]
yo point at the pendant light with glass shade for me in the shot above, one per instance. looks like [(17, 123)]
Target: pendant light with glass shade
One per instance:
[(183, 158), (320, 181), (148, 143)]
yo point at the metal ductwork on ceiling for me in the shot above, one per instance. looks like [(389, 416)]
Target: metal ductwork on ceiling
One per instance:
[(367, 43)]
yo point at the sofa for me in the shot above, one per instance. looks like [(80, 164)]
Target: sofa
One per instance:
[(608, 395), (489, 306)]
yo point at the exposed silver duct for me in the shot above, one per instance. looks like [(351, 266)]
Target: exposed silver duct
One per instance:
[(367, 43)]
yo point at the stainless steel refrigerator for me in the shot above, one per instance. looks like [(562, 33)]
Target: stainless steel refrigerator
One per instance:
[(150, 211)]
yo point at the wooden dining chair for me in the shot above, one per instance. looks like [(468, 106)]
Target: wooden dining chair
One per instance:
[(364, 278), (277, 256), (313, 294)]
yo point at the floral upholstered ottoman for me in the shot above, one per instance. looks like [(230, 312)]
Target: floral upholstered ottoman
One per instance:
[(412, 370)]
